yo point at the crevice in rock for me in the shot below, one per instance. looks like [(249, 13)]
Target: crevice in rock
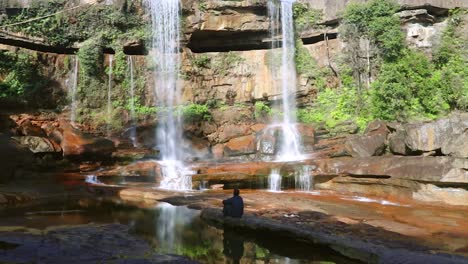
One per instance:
[(36, 46), (369, 176), (319, 38), (224, 41)]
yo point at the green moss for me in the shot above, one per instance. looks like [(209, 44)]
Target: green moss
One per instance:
[(201, 61)]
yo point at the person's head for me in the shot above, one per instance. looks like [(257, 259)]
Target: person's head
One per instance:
[(236, 192)]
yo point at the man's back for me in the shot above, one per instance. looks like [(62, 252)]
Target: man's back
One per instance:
[(234, 206)]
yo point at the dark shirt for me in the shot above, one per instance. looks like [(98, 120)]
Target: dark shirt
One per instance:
[(234, 206)]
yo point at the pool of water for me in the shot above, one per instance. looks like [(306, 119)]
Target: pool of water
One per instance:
[(169, 230)]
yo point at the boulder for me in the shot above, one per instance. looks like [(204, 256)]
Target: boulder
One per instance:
[(77, 144), (365, 145), (456, 145), (12, 157), (427, 136), (240, 146), (433, 136), (370, 144), (38, 144), (396, 143), (27, 128)]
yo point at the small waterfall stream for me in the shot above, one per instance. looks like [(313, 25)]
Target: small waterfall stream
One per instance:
[(165, 20), (109, 94), (303, 179), (74, 85), (274, 181), (132, 102)]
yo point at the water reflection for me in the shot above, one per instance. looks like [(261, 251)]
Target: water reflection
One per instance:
[(175, 230), (233, 246)]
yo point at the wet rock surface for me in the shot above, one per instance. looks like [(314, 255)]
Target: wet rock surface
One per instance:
[(368, 229), (110, 243), (79, 145)]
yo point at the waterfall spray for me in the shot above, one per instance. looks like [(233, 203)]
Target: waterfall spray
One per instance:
[(289, 149), (165, 19)]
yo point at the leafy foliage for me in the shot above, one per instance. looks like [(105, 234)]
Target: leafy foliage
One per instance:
[(262, 110), (66, 28), (18, 74), (195, 112), (375, 20), (305, 17)]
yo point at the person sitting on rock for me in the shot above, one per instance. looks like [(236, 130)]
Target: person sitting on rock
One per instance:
[(234, 206)]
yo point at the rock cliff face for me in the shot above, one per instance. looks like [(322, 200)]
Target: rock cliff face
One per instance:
[(213, 28)]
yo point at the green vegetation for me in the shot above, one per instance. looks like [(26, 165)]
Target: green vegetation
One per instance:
[(375, 20), (78, 24), (19, 74), (262, 110), (305, 17), (201, 61), (403, 83), (195, 112)]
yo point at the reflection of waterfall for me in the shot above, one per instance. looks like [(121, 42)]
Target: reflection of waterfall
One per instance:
[(92, 179), (109, 94), (165, 19), (290, 138), (303, 179), (132, 102), (171, 223), (73, 86), (274, 181)]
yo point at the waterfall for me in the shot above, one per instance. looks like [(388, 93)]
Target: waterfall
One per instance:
[(132, 102), (74, 85), (274, 181), (165, 19), (303, 179), (290, 139), (109, 94)]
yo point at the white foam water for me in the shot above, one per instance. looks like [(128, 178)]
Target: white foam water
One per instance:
[(274, 181), (304, 179), (165, 19), (290, 139)]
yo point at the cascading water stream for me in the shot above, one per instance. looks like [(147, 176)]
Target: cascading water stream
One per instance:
[(74, 86), (165, 19), (132, 102), (289, 149), (109, 94), (274, 181), (304, 179)]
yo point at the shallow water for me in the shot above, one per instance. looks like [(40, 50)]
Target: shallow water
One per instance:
[(172, 229)]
